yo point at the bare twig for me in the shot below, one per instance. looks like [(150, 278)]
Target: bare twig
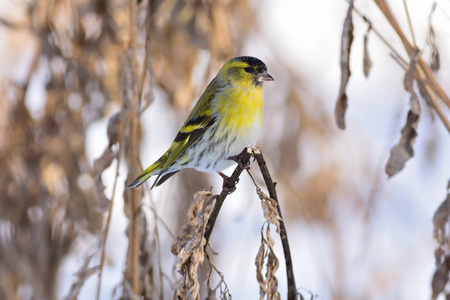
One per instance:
[(410, 24), (434, 101), (107, 226)]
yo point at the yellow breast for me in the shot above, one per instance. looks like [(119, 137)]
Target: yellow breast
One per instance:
[(241, 109)]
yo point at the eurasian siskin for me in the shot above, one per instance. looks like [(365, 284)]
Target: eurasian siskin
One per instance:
[(226, 119)]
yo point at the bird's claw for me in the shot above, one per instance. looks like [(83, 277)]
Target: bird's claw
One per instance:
[(238, 159)]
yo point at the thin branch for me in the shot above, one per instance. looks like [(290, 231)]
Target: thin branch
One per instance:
[(292, 290), (108, 224), (437, 106), (159, 219), (410, 24)]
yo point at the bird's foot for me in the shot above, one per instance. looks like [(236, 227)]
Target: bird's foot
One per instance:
[(228, 186), (238, 159)]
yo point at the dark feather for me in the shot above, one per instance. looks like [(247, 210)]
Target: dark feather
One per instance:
[(164, 178)]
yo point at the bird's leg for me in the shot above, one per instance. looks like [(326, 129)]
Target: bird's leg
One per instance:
[(226, 184)]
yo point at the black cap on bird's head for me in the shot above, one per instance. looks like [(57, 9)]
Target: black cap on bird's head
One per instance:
[(254, 67), (251, 61)]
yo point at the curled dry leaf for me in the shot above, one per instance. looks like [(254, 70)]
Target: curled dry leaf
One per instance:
[(268, 284), (366, 60), (435, 63), (403, 151), (269, 207), (272, 281), (346, 43), (440, 222), (440, 278), (190, 244), (259, 263)]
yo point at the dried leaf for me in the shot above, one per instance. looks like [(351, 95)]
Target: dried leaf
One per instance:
[(440, 220), (435, 63), (268, 284), (366, 60), (190, 244), (259, 262), (272, 281), (440, 278), (272, 267), (403, 151), (269, 207), (425, 94), (346, 43)]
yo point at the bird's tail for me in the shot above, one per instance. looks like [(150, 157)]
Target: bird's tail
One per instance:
[(154, 169)]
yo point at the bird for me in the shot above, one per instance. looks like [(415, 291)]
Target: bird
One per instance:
[(226, 119)]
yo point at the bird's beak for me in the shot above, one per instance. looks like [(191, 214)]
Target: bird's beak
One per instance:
[(266, 76)]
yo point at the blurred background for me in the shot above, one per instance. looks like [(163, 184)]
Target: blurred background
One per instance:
[(92, 91)]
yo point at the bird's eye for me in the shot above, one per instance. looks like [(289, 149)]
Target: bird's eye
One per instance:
[(248, 69)]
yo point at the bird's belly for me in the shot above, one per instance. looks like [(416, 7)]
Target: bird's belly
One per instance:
[(211, 155)]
